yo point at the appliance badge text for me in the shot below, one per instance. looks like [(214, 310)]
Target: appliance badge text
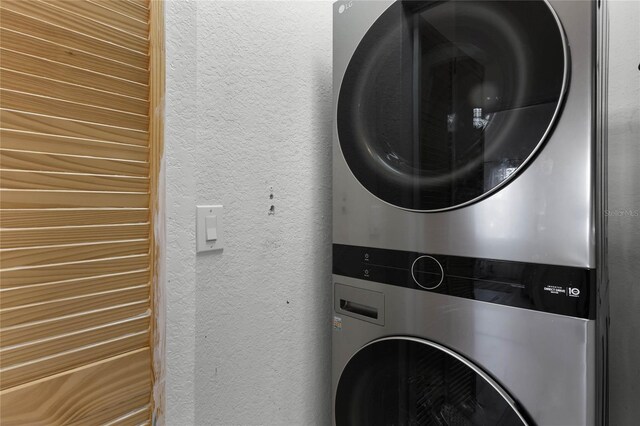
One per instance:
[(344, 7), (567, 291)]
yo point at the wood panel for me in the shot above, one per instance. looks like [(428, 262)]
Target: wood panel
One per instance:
[(125, 8), (52, 144), (33, 27), (48, 236), (67, 324), (50, 13), (41, 48), (36, 57), (58, 308), (38, 256), (34, 370), (16, 198), (138, 417), (21, 218), (156, 199), (34, 350), (81, 126), (96, 12), (27, 83), (119, 384), (35, 199), (42, 293), (37, 161), (19, 179), (36, 123), (19, 101)]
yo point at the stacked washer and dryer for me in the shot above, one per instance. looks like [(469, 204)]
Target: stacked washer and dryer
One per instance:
[(469, 266)]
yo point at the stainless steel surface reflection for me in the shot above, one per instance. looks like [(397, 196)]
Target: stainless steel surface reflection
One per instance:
[(543, 361), (544, 215), (549, 213)]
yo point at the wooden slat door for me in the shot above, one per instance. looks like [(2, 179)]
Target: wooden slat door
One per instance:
[(81, 95)]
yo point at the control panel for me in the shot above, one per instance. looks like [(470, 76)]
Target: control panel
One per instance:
[(549, 288)]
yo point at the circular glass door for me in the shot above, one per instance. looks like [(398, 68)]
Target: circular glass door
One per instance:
[(405, 381), (444, 101)]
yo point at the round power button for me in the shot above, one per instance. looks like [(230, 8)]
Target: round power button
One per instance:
[(427, 272)]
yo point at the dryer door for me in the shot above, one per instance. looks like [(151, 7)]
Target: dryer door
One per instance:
[(407, 381), (444, 101)]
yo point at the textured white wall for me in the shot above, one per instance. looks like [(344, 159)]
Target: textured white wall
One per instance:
[(624, 204), (181, 153), (249, 109)]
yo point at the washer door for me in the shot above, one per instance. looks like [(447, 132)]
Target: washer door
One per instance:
[(443, 101), (407, 381)]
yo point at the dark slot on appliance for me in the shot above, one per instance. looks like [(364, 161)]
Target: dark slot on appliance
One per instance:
[(359, 309)]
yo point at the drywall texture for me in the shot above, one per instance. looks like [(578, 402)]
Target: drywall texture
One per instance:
[(248, 118), (624, 211), (181, 152)]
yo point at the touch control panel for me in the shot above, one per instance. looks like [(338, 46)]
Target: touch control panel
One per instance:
[(548, 288)]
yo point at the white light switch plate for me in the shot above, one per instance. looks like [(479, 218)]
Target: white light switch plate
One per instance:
[(215, 218)]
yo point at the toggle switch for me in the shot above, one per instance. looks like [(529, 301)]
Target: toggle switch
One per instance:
[(211, 223), (209, 228)]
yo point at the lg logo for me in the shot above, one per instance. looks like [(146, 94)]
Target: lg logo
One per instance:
[(344, 7), (573, 292)]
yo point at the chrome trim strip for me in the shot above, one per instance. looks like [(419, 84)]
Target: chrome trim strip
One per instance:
[(525, 163), (601, 136)]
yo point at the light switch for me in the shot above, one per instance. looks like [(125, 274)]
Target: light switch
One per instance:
[(209, 228), (211, 223)]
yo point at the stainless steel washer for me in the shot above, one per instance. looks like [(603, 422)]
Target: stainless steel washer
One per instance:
[(468, 212)]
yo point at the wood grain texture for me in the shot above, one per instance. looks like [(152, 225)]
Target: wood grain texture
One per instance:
[(47, 50), (141, 416), (37, 57), (58, 308), (51, 144), (27, 25), (96, 12), (12, 179), (156, 201), (24, 218), (35, 123), (37, 161), (48, 12), (136, 11), (115, 386), (48, 236), (20, 101), (47, 255), (28, 332), (42, 293), (34, 370), (70, 271), (27, 83), (16, 198), (79, 196), (28, 352)]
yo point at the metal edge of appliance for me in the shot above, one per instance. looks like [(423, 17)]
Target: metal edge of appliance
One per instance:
[(601, 139)]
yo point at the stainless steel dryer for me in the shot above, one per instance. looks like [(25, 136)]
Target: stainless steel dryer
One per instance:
[(468, 168)]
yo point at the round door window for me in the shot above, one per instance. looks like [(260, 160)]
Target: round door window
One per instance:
[(444, 101), (403, 381)]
